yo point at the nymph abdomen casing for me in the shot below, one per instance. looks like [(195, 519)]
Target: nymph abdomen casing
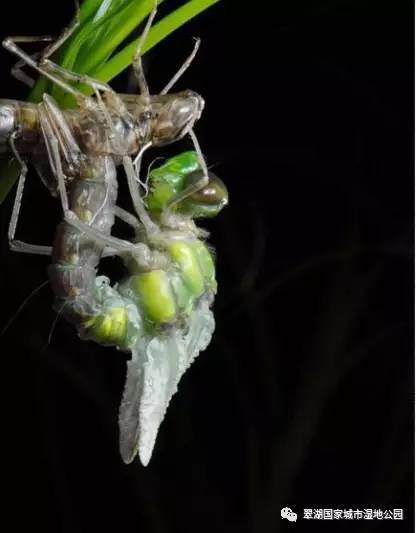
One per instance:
[(76, 256), (21, 117), (164, 296)]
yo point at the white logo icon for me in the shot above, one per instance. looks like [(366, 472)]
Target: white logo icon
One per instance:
[(287, 512)]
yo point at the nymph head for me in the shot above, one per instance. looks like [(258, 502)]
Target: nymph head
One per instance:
[(167, 117)]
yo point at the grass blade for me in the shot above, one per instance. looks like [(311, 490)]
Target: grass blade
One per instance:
[(159, 31)]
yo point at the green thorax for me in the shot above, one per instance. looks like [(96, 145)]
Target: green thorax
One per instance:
[(169, 179), (177, 175), (168, 295)]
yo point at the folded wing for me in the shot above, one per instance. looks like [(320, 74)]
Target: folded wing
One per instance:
[(153, 374)]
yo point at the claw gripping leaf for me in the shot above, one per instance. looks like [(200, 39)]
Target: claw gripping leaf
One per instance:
[(103, 27)]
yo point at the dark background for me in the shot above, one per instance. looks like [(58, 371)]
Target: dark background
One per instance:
[(305, 396)]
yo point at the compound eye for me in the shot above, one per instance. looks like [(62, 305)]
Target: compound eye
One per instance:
[(214, 193)]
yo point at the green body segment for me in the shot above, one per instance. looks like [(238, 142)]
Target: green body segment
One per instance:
[(154, 293), (109, 327), (175, 176), (117, 321), (169, 179), (147, 300), (186, 260), (206, 263)]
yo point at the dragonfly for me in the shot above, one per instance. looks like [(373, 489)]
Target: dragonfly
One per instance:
[(160, 312), (76, 153), (85, 146)]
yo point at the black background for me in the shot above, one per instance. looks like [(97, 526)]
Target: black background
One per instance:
[(305, 396)]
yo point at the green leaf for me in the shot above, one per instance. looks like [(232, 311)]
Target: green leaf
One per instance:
[(100, 38), (107, 12), (96, 50), (90, 7), (158, 32)]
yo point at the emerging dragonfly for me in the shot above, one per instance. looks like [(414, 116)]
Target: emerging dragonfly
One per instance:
[(161, 313)]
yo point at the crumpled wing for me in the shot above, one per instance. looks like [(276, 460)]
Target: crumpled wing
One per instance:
[(153, 374)]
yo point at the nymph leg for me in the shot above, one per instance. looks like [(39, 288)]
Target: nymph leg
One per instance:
[(131, 174), (15, 245), (18, 73), (137, 59), (145, 258), (202, 182), (53, 72), (66, 33), (127, 217), (183, 68), (10, 43), (53, 122), (69, 75), (48, 51)]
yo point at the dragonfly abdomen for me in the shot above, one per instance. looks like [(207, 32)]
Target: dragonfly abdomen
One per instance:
[(165, 296)]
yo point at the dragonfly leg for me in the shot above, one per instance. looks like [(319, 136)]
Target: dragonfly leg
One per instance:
[(36, 249), (137, 58), (144, 257), (15, 245), (109, 252), (186, 64), (169, 217), (50, 70), (17, 71), (140, 251), (71, 76), (112, 101), (23, 247), (10, 43), (52, 147), (127, 217), (66, 33), (26, 248), (117, 245), (58, 75), (53, 124), (140, 208)]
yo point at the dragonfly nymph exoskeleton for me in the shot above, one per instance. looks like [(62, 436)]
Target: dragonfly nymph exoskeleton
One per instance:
[(161, 311)]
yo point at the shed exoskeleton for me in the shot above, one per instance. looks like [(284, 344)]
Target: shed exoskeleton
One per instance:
[(78, 150), (161, 311)]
